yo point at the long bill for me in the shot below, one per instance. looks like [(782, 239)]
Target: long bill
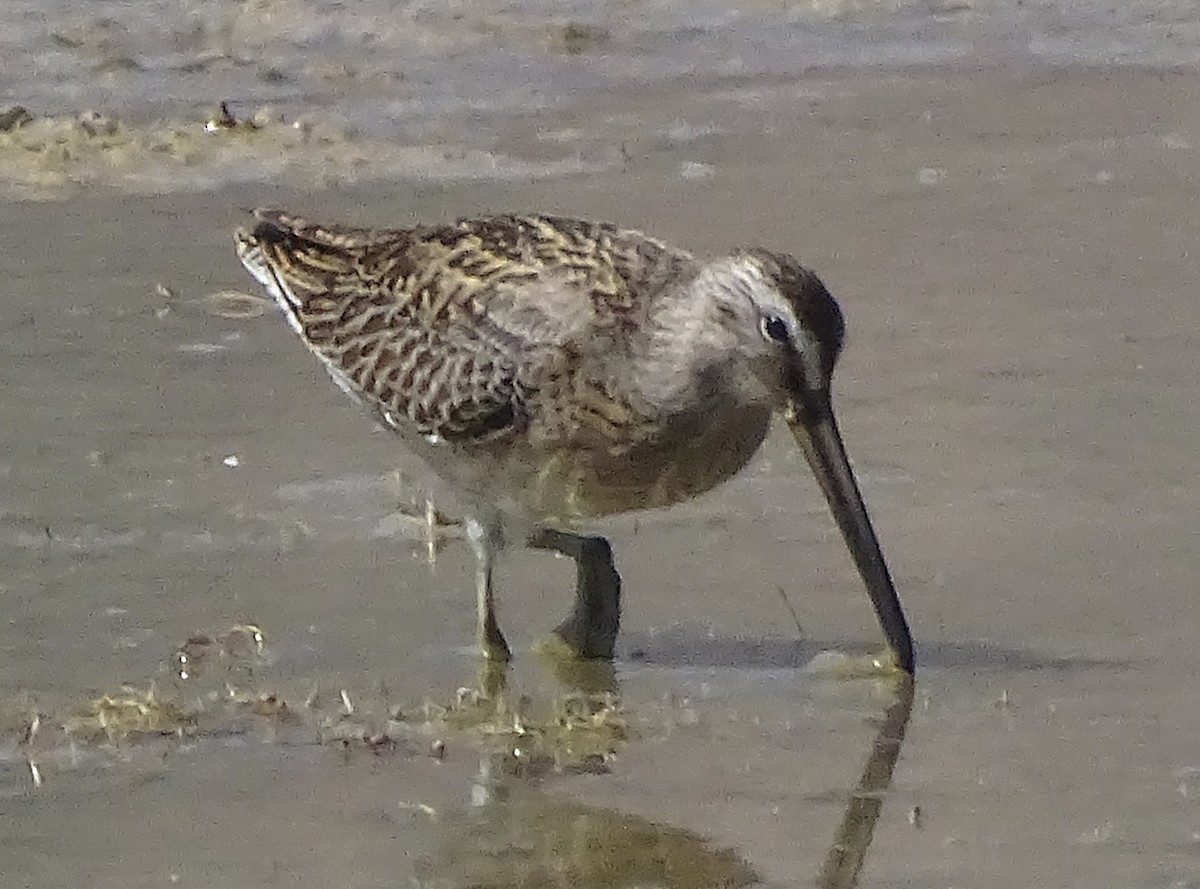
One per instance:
[(810, 417)]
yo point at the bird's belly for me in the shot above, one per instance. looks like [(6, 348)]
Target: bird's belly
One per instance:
[(572, 484)]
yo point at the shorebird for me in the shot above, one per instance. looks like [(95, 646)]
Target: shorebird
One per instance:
[(556, 371)]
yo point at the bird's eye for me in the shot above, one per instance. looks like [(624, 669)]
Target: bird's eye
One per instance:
[(774, 328)]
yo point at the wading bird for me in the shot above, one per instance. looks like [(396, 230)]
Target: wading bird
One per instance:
[(555, 371)]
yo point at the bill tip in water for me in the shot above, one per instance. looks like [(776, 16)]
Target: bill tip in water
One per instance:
[(839, 665)]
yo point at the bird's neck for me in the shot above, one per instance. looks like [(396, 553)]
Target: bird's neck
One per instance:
[(687, 357)]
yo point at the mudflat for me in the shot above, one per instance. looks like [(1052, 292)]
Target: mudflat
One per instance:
[(1015, 254)]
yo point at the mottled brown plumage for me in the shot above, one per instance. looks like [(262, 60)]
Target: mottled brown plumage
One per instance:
[(443, 331), (555, 370)]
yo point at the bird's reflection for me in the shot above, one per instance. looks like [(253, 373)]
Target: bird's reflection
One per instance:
[(514, 834), (849, 850)]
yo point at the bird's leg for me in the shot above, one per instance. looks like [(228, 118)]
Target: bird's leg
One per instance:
[(483, 539), (591, 629)]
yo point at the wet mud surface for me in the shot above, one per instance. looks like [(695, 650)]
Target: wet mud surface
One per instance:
[(1014, 255)]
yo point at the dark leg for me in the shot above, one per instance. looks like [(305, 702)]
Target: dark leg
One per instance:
[(591, 629)]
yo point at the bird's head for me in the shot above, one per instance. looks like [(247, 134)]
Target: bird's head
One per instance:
[(790, 330)]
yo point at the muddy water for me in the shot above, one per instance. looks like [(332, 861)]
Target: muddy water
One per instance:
[(1015, 255)]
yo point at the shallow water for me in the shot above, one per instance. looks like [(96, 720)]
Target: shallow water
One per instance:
[(1012, 249), (458, 90), (397, 66)]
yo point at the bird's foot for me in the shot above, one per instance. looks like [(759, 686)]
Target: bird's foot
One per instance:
[(582, 638), (590, 631)]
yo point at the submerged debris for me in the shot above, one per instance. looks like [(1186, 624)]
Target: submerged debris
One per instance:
[(349, 733), (236, 305), (128, 713), (576, 37), (242, 645), (95, 124), (14, 118), (216, 687), (577, 732), (225, 120)]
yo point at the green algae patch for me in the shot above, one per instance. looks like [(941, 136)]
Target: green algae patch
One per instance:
[(129, 713), (578, 731), (221, 685)]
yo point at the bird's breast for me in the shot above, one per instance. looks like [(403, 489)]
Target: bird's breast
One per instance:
[(574, 482)]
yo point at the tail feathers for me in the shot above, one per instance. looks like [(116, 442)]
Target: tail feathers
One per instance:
[(276, 225), (297, 261)]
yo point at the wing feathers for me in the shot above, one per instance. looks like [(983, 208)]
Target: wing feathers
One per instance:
[(448, 331)]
